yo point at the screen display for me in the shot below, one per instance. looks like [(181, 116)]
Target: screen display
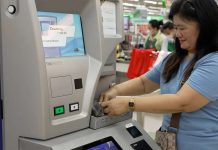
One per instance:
[(126, 22), (62, 34), (105, 146), (107, 143)]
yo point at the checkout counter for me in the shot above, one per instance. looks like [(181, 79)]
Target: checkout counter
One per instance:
[(57, 57)]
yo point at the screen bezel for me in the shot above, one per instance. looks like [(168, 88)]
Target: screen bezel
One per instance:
[(128, 20)]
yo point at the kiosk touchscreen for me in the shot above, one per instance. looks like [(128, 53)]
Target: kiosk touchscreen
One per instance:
[(61, 34), (107, 143)]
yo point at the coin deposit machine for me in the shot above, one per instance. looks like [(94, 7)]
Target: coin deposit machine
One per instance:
[(57, 56)]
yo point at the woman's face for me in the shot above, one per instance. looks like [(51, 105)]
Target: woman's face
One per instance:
[(187, 32)]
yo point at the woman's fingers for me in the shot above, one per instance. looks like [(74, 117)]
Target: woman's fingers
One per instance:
[(104, 104), (104, 98), (101, 98), (105, 107), (115, 107), (106, 110)]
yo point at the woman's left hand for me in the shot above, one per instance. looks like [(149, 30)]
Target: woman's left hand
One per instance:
[(116, 106)]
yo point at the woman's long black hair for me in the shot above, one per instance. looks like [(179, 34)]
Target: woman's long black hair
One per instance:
[(205, 13)]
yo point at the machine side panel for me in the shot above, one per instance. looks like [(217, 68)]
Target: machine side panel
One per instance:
[(24, 75), (1, 102)]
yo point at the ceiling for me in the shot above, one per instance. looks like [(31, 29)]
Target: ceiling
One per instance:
[(152, 7)]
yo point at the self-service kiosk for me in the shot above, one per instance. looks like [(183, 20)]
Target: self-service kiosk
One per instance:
[(56, 59)]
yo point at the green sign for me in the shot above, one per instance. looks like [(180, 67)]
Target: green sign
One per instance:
[(164, 3)]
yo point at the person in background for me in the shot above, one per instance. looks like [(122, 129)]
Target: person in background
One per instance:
[(168, 29), (120, 48), (155, 37), (120, 56), (194, 59), (168, 44)]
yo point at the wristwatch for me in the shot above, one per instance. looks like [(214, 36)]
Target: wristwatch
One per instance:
[(132, 104)]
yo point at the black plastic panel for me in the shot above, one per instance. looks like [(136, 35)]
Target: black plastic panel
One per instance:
[(134, 132), (78, 83), (141, 145)]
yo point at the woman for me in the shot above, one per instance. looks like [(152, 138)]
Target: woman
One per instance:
[(155, 37), (195, 56)]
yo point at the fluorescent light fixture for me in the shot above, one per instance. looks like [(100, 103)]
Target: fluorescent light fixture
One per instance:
[(134, 5), (152, 13), (152, 7), (152, 10), (133, 0), (130, 5), (151, 2)]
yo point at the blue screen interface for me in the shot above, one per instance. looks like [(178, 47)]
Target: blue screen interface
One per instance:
[(105, 146), (62, 34)]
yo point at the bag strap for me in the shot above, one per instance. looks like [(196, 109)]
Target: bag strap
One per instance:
[(174, 122)]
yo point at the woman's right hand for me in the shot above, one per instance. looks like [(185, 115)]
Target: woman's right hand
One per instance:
[(109, 94)]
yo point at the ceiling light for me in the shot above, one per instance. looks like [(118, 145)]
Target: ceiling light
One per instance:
[(134, 5), (152, 13), (152, 7), (133, 0), (152, 10), (128, 4), (151, 2)]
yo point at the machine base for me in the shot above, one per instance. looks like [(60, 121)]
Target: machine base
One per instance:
[(126, 135)]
